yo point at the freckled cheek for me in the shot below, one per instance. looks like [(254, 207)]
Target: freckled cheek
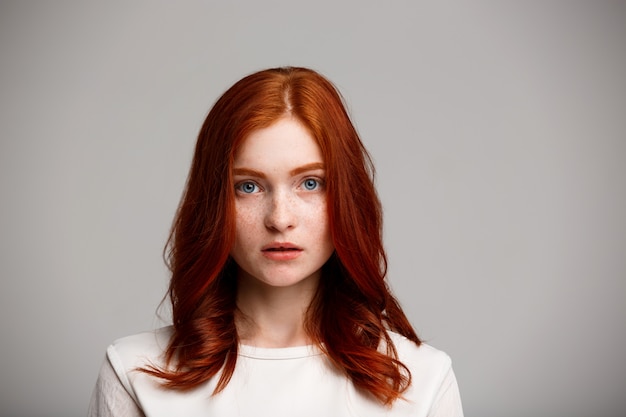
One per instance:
[(247, 223), (317, 223)]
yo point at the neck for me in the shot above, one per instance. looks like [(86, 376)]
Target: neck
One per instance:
[(271, 316)]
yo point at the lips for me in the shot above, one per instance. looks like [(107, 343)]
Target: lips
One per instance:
[(281, 251), (280, 246)]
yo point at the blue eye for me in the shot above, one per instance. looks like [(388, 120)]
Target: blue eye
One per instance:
[(311, 184), (247, 187)]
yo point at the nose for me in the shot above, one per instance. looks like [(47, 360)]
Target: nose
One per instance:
[(281, 212)]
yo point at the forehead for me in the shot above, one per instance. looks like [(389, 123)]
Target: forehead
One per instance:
[(285, 143)]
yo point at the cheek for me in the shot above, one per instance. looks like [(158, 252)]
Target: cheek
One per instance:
[(246, 224), (318, 223), (244, 216)]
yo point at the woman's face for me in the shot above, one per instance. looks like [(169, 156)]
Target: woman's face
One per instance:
[(282, 232)]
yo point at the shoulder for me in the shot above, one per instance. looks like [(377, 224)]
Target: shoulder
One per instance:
[(149, 344), (422, 356), (126, 355), (428, 366), (138, 350)]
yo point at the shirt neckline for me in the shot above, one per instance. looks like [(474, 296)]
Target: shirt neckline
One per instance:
[(292, 352)]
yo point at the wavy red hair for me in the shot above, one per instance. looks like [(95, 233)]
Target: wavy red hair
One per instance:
[(353, 310)]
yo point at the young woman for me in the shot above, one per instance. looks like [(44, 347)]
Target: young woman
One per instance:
[(280, 305)]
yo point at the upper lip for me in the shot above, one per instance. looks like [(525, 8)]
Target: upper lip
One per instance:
[(280, 245)]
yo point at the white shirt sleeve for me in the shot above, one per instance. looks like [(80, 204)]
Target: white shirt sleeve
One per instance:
[(448, 400), (110, 398)]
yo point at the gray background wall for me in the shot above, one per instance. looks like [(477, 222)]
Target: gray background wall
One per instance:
[(498, 130)]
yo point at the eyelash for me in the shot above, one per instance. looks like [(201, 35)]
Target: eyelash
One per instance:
[(239, 186), (318, 184)]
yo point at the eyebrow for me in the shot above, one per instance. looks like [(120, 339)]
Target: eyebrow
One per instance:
[(308, 167), (299, 170), (247, 172)]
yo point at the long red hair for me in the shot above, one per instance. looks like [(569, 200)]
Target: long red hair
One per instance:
[(353, 309)]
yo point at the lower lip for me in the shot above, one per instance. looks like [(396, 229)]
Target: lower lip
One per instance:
[(281, 255)]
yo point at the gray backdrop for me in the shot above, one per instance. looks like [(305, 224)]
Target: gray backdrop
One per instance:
[(498, 131)]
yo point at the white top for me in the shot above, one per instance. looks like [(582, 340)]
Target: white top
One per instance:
[(276, 382)]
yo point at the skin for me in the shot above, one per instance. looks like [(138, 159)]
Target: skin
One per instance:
[(282, 233)]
